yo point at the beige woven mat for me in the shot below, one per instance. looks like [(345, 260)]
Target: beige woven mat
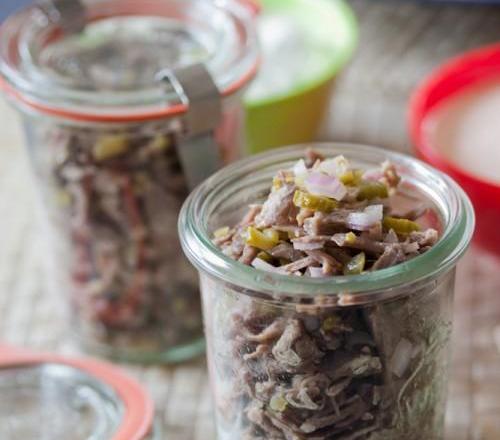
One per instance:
[(400, 42)]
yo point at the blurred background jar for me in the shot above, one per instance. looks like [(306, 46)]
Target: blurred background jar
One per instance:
[(126, 105)]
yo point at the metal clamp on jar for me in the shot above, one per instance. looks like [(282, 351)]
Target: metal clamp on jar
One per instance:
[(197, 148)]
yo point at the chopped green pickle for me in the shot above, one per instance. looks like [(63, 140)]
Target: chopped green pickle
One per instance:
[(261, 240), (356, 266), (221, 232), (372, 190), (400, 225), (277, 183), (278, 403), (350, 238), (291, 235), (351, 177), (279, 180), (265, 257), (283, 235), (63, 198), (272, 234), (305, 200), (109, 147), (160, 143), (330, 323)]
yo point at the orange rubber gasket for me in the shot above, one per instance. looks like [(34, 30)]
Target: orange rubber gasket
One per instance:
[(169, 111), (139, 409)]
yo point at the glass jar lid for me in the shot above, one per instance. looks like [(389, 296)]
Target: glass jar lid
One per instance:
[(50, 397), (102, 59)]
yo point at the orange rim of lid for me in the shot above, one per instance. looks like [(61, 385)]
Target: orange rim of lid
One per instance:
[(139, 409), (130, 6), (167, 112)]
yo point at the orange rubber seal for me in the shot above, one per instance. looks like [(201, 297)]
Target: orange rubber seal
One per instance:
[(167, 112), (138, 416), (129, 7)]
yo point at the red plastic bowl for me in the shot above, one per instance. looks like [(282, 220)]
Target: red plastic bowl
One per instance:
[(449, 80)]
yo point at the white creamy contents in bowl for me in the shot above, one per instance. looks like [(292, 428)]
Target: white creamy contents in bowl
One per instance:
[(287, 48), (466, 130)]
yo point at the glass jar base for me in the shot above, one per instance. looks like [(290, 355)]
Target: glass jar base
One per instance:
[(174, 355)]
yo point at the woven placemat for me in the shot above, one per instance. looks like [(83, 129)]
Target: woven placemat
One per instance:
[(400, 43)]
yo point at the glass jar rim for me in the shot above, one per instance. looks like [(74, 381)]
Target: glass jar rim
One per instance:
[(208, 258), (29, 85)]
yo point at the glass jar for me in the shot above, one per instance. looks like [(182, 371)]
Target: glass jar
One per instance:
[(350, 357), (126, 105)]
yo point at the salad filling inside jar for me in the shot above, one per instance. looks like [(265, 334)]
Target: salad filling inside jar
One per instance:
[(330, 368), (118, 195)]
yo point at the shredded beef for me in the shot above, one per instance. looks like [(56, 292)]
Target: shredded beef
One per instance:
[(287, 252), (249, 254), (278, 208), (326, 224), (120, 191)]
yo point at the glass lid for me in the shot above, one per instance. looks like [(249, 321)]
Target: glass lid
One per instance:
[(45, 397), (71, 404), (105, 57)]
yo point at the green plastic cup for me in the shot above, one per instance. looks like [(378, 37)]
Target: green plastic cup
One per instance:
[(312, 40)]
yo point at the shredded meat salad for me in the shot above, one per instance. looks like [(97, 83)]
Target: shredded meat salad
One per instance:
[(323, 218), (321, 371), (120, 195)]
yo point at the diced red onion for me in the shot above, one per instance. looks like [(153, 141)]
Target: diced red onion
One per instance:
[(334, 167), (307, 246), (300, 169), (364, 221), (323, 185), (401, 357), (316, 272), (260, 264), (377, 211), (359, 221)]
